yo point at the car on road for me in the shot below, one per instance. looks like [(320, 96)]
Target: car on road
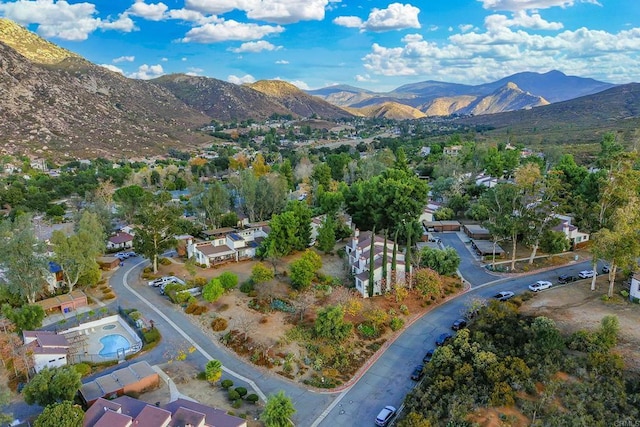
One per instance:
[(504, 295), (585, 274), (566, 278), (122, 255), (443, 338), (163, 281), (540, 285), (605, 269), (459, 324), (428, 356), (385, 415), (417, 373)]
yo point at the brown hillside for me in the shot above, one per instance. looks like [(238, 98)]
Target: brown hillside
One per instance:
[(297, 101)]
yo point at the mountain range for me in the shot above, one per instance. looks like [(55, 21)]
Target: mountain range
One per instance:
[(55, 101)]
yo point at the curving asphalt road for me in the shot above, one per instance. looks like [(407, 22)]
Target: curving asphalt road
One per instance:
[(386, 382)]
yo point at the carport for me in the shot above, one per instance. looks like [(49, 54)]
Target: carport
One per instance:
[(485, 247)]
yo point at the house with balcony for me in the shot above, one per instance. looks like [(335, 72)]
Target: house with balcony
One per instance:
[(232, 245), (359, 258)]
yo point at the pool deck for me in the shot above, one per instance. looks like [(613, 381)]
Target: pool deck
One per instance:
[(87, 340)]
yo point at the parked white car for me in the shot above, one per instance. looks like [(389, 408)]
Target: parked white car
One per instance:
[(585, 274), (540, 285), (162, 281)]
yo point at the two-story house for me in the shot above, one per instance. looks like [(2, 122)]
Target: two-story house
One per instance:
[(231, 246), (359, 259)]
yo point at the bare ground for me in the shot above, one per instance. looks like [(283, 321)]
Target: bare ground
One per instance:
[(575, 307)]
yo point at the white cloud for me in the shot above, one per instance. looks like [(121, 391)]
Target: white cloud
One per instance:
[(191, 16), (364, 78), (123, 59), (152, 12), (61, 19), (517, 5), (229, 30), (112, 68), (282, 62), (183, 59), (146, 72), (348, 21), (276, 11), (194, 71), (247, 78), (300, 84), (396, 16), (164, 59), (494, 54), (465, 27), (520, 19), (255, 47), (287, 11)]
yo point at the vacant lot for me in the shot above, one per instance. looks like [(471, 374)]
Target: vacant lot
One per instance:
[(576, 307)]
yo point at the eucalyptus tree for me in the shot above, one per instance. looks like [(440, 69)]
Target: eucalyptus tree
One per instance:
[(23, 257), (157, 223)]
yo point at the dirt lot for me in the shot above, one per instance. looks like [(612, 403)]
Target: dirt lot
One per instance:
[(575, 307)]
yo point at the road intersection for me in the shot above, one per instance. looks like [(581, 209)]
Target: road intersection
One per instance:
[(385, 382)]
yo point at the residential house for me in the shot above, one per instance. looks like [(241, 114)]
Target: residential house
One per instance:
[(229, 245), (486, 181), (359, 259), (429, 211), (571, 232), (49, 349), (54, 277), (126, 411), (120, 240), (135, 378), (452, 150)]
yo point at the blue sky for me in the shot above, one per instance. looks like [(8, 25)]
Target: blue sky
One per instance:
[(373, 44)]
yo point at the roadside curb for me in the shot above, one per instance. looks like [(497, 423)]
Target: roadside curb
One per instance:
[(364, 368)]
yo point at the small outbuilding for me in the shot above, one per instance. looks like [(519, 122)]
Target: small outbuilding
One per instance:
[(440, 226), (65, 303), (475, 231), (486, 248)]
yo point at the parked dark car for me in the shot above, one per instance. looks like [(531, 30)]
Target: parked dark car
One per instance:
[(417, 373), (605, 269), (428, 355), (443, 338), (459, 324), (566, 278)]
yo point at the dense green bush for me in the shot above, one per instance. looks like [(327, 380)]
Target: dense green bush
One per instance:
[(246, 287), (151, 336), (83, 369), (396, 323), (241, 391), (226, 384), (253, 398), (233, 395), (499, 359)]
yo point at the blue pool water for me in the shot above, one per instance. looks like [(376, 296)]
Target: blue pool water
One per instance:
[(112, 343)]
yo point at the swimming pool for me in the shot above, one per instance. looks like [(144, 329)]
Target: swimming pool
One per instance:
[(113, 343)]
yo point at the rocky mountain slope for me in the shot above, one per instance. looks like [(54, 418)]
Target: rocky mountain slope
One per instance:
[(441, 98), (221, 100), (297, 101), (388, 110), (588, 117)]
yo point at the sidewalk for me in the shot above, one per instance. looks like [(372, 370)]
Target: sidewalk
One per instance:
[(173, 389)]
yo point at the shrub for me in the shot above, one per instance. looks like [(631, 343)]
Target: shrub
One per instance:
[(110, 295), (404, 309), (252, 293), (624, 293), (202, 375), (165, 261), (233, 395), (228, 280), (151, 336), (253, 398), (367, 331), (396, 323), (241, 391), (191, 308), (82, 368), (135, 315), (147, 270), (246, 287), (236, 403), (219, 324), (226, 384)]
